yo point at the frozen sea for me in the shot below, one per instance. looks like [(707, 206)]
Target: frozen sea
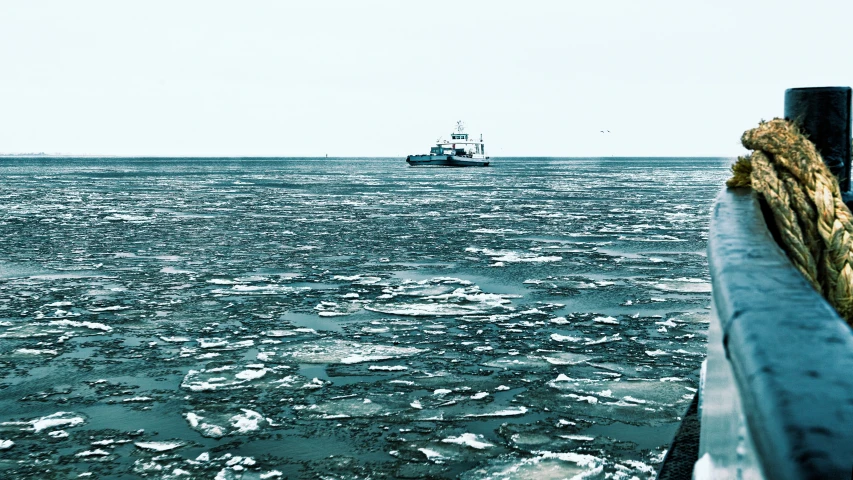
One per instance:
[(349, 318)]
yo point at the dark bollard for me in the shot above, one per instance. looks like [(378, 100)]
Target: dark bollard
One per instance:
[(823, 114)]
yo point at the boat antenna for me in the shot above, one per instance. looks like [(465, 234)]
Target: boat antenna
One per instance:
[(459, 127)]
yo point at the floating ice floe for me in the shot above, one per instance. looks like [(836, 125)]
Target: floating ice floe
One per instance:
[(462, 301), (222, 378), (270, 289), (358, 279), (566, 358), (607, 320), (346, 352), (348, 408), (588, 398), (36, 351), (388, 368), (159, 446), (93, 453), (89, 325), (289, 333), (656, 353), (430, 454), (469, 440), (626, 393), (682, 285), (520, 362), (508, 412), (138, 399), (176, 271), (497, 230), (175, 339), (605, 339), (650, 238), (224, 343), (332, 309), (113, 308), (58, 419), (126, 217), (205, 428), (247, 421), (509, 256), (565, 338), (543, 465)]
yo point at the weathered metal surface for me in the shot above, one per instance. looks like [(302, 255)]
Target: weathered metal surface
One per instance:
[(792, 356), (725, 445), (684, 451), (823, 113)]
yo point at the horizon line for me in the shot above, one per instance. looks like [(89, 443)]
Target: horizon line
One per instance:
[(41, 155)]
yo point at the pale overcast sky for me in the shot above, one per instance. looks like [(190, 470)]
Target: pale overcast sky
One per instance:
[(386, 78)]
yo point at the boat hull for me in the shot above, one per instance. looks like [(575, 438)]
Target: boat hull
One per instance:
[(445, 161)]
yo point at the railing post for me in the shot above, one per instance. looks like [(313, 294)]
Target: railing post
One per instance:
[(823, 114)]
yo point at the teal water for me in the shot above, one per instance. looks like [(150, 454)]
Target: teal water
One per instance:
[(349, 318)]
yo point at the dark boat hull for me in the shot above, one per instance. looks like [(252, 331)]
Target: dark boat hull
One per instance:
[(445, 161)]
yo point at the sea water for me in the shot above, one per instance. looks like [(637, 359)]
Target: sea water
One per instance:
[(349, 318)]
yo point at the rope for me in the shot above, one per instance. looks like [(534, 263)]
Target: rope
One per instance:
[(815, 227)]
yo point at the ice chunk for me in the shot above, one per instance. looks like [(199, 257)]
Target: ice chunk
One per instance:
[(509, 412), (564, 338), (251, 374), (656, 353), (206, 429), (58, 419), (332, 309), (470, 440), (222, 378), (92, 453), (388, 368), (347, 352), (175, 339), (608, 320), (89, 325), (513, 257), (159, 446), (438, 297), (36, 351), (543, 465), (431, 455), (246, 422)]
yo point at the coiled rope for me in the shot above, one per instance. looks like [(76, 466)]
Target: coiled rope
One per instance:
[(814, 224)]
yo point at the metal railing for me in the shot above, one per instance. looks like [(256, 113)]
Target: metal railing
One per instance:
[(776, 396)]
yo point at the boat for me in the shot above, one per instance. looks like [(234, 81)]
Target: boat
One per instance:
[(458, 151), (775, 396)]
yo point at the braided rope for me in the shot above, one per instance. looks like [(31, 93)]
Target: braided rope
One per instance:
[(815, 226), (766, 180)]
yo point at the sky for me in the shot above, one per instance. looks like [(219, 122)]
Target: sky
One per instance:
[(387, 78)]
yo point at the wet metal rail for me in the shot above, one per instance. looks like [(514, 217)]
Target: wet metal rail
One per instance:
[(776, 394)]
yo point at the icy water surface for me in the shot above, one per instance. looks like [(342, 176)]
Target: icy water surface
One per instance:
[(349, 318)]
